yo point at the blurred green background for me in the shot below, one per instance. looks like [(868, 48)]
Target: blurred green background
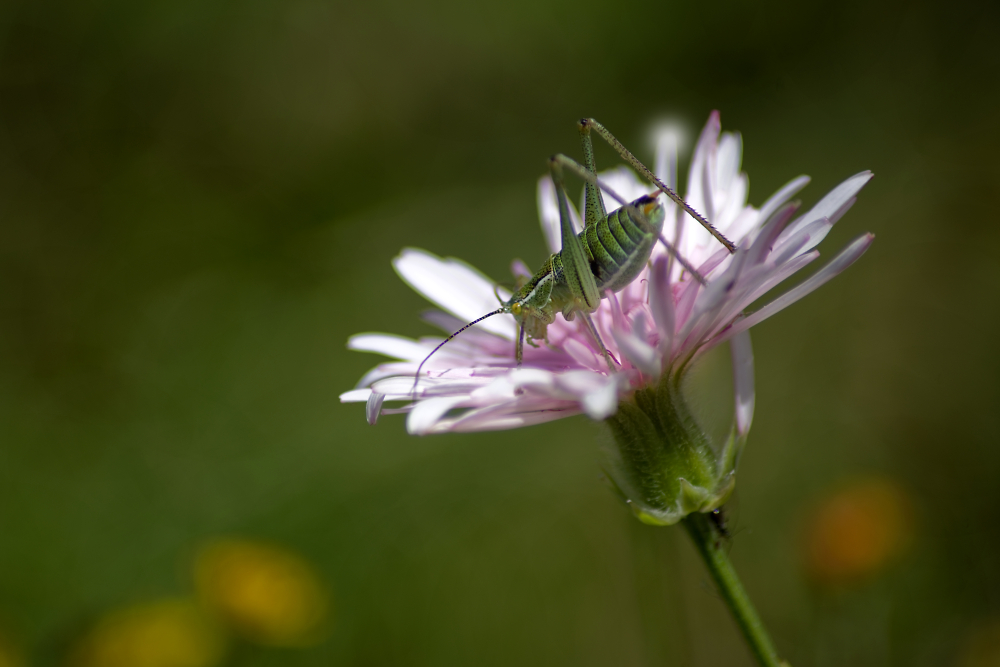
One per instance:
[(199, 202)]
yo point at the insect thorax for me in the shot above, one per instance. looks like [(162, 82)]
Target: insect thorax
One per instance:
[(617, 248)]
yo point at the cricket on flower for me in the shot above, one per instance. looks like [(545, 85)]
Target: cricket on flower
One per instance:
[(662, 319), (616, 317)]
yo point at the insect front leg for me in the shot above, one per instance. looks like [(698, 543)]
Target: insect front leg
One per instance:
[(519, 350), (589, 321)]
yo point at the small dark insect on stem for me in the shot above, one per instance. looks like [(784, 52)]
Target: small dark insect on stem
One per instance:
[(718, 519)]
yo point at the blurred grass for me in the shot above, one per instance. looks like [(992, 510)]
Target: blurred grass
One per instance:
[(199, 202)]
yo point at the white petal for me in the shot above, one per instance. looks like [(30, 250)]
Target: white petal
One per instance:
[(625, 184), (602, 402), (505, 386), (597, 393), (661, 302), (355, 396), (698, 186), (729, 156), (387, 370), (456, 287), (401, 388), (743, 383), (531, 377), (548, 213), (374, 407), (427, 412), (507, 416), (847, 256), (642, 355), (582, 354), (390, 345), (666, 158)]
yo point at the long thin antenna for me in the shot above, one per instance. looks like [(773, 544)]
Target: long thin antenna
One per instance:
[(416, 378)]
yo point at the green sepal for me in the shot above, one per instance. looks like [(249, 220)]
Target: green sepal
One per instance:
[(662, 463)]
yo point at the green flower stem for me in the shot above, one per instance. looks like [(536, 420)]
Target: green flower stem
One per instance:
[(709, 542)]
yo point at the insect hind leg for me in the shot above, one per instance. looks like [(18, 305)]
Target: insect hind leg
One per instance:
[(663, 187)]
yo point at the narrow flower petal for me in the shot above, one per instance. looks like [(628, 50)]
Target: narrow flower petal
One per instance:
[(666, 158), (427, 412), (374, 407), (597, 394), (661, 302), (390, 345), (834, 204), (507, 416), (729, 156), (355, 396), (582, 354), (641, 354), (804, 240), (699, 183), (520, 270), (456, 287), (778, 199), (743, 381), (847, 256)]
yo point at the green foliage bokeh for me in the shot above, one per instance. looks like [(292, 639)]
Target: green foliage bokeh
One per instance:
[(199, 202)]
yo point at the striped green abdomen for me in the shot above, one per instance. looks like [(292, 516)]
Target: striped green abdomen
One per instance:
[(619, 247)]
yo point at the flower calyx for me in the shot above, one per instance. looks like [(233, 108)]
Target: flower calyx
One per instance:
[(662, 463)]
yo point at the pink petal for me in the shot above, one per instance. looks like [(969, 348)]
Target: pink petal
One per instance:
[(641, 354), (834, 204), (741, 352), (778, 199), (508, 416), (426, 413), (661, 302), (847, 256)]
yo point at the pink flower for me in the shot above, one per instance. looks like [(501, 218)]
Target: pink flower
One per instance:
[(658, 325)]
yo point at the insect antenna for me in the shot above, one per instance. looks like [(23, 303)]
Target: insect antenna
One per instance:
[(416, 378)]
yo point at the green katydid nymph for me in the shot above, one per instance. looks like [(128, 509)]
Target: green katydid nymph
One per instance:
[(604, 258)]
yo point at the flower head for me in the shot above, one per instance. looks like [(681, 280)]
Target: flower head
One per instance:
[(655, 328), (659, 323)]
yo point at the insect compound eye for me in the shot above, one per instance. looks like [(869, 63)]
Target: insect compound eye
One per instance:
[(516, 309)]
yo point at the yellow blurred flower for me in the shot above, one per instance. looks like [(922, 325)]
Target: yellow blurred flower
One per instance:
[(856, 531), (166, 633), (981, 645), (265, 593), (9, 656)]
